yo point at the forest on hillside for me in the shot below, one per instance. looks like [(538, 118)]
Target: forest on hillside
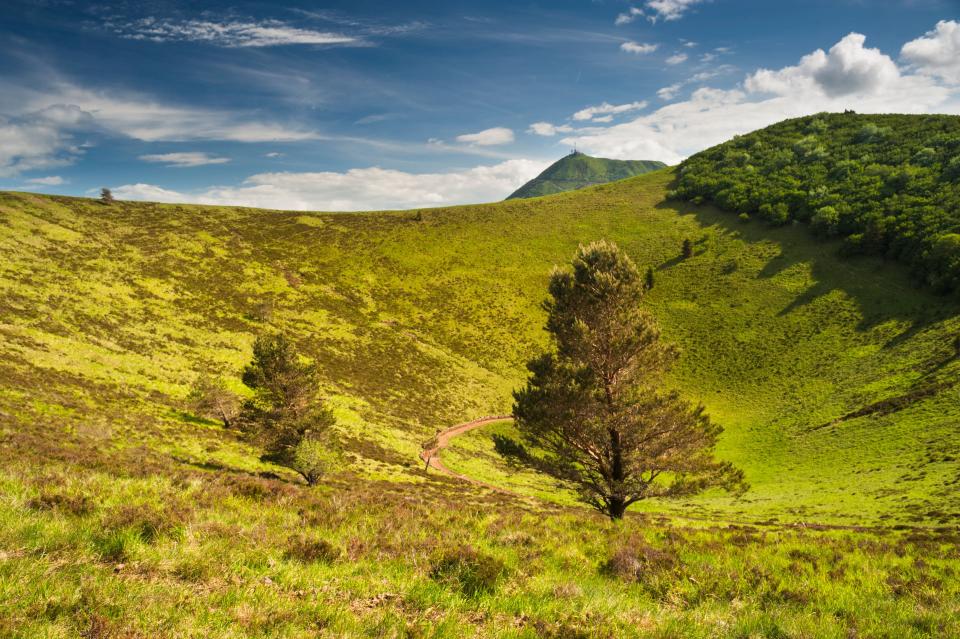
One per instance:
[(887, 185)]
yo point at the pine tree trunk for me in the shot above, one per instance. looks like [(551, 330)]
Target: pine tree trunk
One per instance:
[(616, 507)]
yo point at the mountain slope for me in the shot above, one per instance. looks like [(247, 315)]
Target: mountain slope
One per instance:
[(124, 514), (418, 323), (577, 171)]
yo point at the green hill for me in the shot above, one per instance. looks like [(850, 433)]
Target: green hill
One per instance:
[(887, 185), (124, 514), (577, 171)]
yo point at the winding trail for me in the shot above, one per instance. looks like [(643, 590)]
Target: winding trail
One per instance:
[(431, 456)]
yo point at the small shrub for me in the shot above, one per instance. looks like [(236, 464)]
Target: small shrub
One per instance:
[(471, 572), (64, 502), (744, 217), (146, 521), (637, 561), (311, 550)]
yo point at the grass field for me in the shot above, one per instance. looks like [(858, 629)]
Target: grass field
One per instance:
[(125, 515)]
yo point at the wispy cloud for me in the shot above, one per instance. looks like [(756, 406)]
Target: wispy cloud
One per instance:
[(40, 139), (50, 180), (184, 159), (488, 137), (139, 116), (548, 130), (628, 16), (267, 33), (670, 9), (598, 113), (670, 92), (677, 58), (638, 48)]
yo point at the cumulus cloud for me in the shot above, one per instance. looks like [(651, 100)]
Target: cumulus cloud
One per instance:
[(50, 180), (628, 16), (184, 159), (268, 33), (849, 76), (670, 9), (677, 58), (488, 137), (638, 48), (354, 190), (605, 109), (547, 130), (849, 68), (937, 53)]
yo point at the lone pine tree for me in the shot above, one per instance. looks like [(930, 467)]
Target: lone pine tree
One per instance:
[(593, 414)]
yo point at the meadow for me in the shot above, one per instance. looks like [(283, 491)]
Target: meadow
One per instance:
[(124, 514)]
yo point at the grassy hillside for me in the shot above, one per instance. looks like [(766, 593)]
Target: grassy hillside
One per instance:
[(888, 185), (578, 170), (836, 381)]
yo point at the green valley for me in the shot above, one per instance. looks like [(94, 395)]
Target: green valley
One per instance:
[(835, 377)]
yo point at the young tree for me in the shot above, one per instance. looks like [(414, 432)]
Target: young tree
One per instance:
[(592, 414), (286, 415), (106, 197), (211, 398), (686, 250)]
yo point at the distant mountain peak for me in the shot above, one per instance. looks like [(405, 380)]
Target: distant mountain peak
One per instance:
[(577, 170)]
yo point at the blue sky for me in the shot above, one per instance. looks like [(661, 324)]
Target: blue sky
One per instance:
[(356, 105)]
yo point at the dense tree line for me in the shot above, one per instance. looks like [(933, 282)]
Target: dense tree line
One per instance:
[(887, 185)]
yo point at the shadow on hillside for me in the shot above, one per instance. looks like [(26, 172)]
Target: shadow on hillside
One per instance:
[(882, 289)]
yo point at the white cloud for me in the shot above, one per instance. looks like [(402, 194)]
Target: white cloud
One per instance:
[(591, 113), (628, 16), (638, 48), (849, 68), (670, 92), (273, 154), (677, 58), (670, 9), (937, 52), (488, 137), (849, 76), (268, 33), (184, 159), (140, 116), (355, 190), (50, 180), (40, 139), (546, 129)]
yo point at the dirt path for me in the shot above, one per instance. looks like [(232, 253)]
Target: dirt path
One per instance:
[(431, 456)]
